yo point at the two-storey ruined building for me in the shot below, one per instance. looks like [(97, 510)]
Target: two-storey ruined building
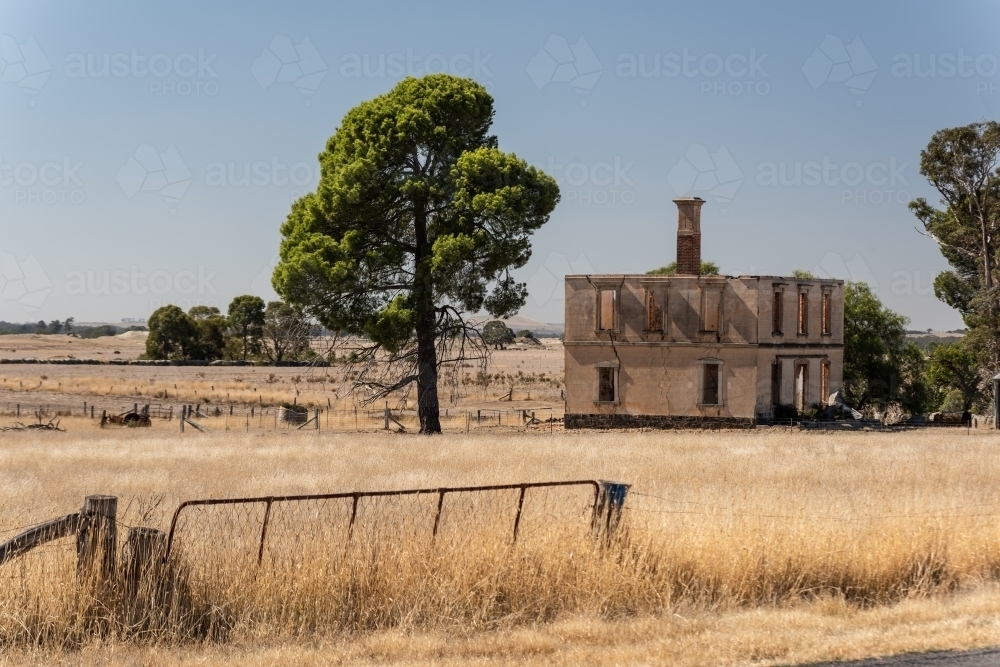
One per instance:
[(692, 350)]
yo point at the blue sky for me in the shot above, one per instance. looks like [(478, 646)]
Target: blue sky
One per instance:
[(127, 132)]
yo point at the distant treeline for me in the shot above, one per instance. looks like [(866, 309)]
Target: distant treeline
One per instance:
[(926, 342), (65, 327)]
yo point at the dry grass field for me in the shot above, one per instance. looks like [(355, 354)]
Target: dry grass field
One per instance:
[(128, 345), (764, 547), (533, 371)]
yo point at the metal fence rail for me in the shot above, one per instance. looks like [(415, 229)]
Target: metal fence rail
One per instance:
[(608, 498)]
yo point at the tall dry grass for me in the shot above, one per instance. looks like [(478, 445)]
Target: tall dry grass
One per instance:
[(714, 522)]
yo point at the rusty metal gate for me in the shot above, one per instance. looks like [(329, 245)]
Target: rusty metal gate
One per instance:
[(608, 498)]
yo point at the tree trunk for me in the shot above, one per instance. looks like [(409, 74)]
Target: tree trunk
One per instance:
[(427, 396), (991, 314), (423, 297)]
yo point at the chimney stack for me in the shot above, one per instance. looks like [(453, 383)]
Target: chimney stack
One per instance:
[(689, 235)]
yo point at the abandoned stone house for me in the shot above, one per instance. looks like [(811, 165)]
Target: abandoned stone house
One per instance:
[(690, 351)]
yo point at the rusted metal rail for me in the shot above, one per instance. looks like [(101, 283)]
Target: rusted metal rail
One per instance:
[(38, 535), (601, 492)]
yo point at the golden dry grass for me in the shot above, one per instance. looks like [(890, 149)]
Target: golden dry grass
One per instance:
[(761, 637), (738, 545)]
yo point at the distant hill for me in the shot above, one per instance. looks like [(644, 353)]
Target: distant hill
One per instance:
[(540, 329), (924, 340)]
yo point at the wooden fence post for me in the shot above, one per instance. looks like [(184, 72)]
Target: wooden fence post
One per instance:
[(143, 575), (608, 509), (91, 410), (183, 416), (96, 540), (316, 417), (143, 553)]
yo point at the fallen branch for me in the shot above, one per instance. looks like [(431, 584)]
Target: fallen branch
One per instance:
[(203, 429), (51, 425)]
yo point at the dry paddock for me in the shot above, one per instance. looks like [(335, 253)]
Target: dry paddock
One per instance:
[(534, 372), (760, 547)]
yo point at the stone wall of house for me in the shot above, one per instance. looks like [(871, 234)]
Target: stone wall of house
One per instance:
[(573, 421), (700, 319)]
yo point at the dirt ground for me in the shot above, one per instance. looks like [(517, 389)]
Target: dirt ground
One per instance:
[(128, 345)]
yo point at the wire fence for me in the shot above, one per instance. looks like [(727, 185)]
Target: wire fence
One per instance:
[(268, 418), (208, 537), (248, 532)]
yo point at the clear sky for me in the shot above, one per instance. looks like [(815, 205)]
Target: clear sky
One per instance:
[(148, 154)]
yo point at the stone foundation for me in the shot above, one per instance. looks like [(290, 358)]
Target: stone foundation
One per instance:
[(655, 422)]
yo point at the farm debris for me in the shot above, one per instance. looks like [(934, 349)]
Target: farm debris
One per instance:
[(132, 418), (293, 414), (51, 425)]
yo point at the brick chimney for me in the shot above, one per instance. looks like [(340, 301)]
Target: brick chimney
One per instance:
[(689, 235)]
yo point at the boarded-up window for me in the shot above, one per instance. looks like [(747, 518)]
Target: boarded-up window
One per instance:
[(606, 384), (710, 384), (776, 312), (824, 381), (803, 314), (826, 314), (654, 312), (776, 383), (710, 302), (608, 299)]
